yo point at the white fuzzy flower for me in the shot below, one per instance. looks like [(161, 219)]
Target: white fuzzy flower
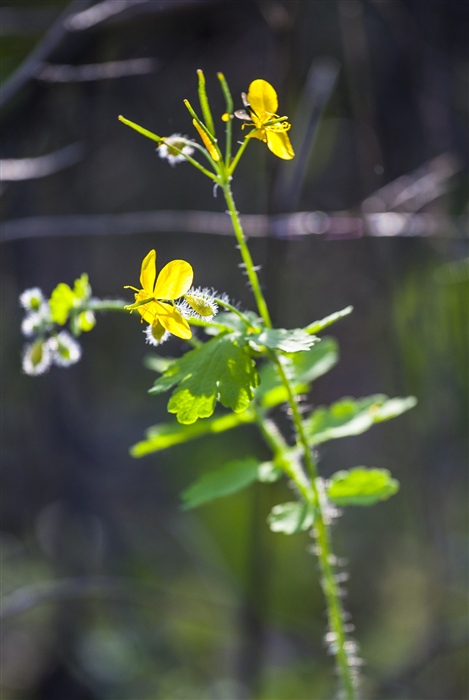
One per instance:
[(31, 299), (37, 357), (166, 150), (31, 324), (65, 349)]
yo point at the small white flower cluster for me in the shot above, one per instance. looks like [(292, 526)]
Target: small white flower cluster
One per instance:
[(166, 149), (59, 349)]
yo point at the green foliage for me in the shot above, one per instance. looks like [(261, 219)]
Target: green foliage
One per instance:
[(221, 369), (290, 341), (165, 435), (353, 416), (361, 486), (317, 326), (231, 478), (291, 517), (301, 368)]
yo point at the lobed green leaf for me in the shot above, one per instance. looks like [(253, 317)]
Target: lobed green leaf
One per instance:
[(361, 486), (221, 369)]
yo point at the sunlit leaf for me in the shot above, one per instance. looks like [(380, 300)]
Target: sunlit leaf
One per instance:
[(301, 368), (361, 486), (353, 416), (291, 341), (291, 517), (317, 326), (232, 477), (221, 369), (165, 435)]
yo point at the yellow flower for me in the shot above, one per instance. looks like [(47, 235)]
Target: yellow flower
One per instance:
[(173, 281), (262, 104)]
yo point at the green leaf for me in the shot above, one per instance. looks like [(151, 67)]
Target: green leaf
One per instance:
[(165, 435), (295, 340), (221, 369), (301, 369), (234, 322), (393, 408), (291, 517), (361, 486), (308, 366), (317, 326), (231, 478), (353, 416), (61, 302)]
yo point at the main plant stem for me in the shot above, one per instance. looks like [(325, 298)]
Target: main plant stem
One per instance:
[(338, 637)]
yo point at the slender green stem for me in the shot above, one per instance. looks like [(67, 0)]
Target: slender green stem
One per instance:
[(160, 140), (246, 255), (284, 456), (234, 310), (238, 155), (106, 305), (312, 494), (324, 552)]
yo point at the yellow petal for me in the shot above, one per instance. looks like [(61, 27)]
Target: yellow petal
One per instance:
[(279, 143), (262, 97), (171, 319), (207, 143), (258, 134), (174, 280), (148, 272), (148, 312)]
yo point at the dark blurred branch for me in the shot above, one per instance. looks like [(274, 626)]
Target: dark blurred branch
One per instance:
[(40, 53), (286, 226), (98, 13), (28, 597), (77, 17), (122, 10), (14, 169), (412, 191), (54, 73), (318, 88)]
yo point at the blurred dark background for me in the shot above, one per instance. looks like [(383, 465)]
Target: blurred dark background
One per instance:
[(110, 590)]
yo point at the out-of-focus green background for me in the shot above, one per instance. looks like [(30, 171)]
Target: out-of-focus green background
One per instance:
[(111, 591)]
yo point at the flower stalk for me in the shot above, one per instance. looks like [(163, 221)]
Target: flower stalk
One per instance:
[(335, 612)]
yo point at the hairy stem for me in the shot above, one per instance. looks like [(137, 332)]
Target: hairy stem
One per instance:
[(246, 255), (311, 493)]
